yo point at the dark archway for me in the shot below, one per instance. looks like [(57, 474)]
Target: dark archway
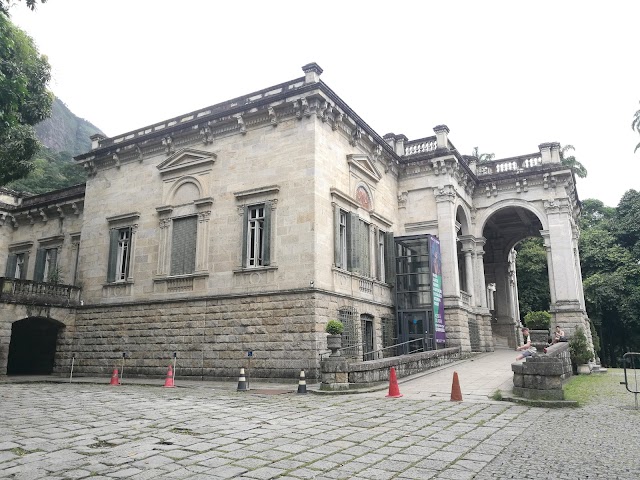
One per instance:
[(33, 346), (503, 230)]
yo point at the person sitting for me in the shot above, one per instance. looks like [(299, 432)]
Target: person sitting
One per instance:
[(526, 348), (559, 335)]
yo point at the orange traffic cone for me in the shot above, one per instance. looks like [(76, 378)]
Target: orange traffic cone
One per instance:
[(169, 381), (456, 394), (115, 379), (394, 390)]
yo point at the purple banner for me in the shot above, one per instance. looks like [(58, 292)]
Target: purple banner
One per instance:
[(435, 259)]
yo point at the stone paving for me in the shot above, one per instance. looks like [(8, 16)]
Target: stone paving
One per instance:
[(73, 431)]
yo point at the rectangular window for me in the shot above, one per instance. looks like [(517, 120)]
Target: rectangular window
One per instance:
[(342, 245), (257, 236), (46, 269), (353, 246), (183, 245), (119, 254), (364, 249), (255, 242), (17, 266)]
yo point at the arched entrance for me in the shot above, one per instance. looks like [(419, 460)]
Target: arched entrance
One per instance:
[(503, 230), (33, 346)]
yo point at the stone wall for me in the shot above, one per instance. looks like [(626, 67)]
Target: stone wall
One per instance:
[(338, 374), (541, 377), (211, 336)]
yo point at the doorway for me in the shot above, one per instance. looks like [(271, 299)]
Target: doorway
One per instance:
[(32, 347)]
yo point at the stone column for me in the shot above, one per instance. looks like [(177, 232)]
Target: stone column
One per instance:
[(481, 299), (202, 241), (468, 248), (132, 251), (567, 304), (547, 248), (163, 247), (445, 198)]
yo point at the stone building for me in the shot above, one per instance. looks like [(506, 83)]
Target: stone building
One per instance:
[(247, 225)]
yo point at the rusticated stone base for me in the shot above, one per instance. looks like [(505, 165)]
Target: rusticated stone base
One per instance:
[(211, 336)]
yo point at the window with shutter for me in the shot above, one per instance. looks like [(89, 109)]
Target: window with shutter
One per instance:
[(10, 270), (183, 245)]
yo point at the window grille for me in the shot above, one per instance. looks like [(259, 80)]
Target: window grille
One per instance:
[(349, 318)]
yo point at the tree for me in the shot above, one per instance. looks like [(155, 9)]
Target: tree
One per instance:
[(610, 256), (24, 100), (635, 125), (482, 157), (5, 5), (533, 277), (571, 162)]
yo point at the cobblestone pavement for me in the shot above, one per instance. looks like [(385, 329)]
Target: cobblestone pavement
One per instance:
[(72, 431)]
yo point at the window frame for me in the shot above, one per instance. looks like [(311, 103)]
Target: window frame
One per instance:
[(117, 273)]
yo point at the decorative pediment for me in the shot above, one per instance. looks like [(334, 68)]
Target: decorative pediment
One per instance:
[(363, 165), (187, 159)]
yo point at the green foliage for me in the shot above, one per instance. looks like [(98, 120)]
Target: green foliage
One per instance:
[(610, 256), (334, 327), (533, 278), (51, 171), (24, 100), (579, 348), (539, 320), (482, 157), (5, 4), (571, 162)]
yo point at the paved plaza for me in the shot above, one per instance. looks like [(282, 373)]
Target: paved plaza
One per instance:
[(209, 431)]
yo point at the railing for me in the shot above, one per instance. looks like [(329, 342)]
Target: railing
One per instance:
[(633, 360), (28, 291), (423, 344), (423, 145), (514, 164)]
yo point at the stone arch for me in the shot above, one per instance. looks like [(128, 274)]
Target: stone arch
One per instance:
[(33, 345), (503, 225), (486, 213), (185, 190), (462, 217)]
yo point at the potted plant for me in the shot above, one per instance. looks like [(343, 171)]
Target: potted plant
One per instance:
[(580, 351), (538, 324), (334, 340)]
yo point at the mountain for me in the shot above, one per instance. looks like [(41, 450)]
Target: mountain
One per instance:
[(64, 131), (63, 136)]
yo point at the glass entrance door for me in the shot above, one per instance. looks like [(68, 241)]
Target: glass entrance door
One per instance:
[(414, 327)]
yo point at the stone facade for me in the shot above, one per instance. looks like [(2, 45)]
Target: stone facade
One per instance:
[(219, 232)]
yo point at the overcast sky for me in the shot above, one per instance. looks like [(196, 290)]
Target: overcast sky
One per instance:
[(503, 76)]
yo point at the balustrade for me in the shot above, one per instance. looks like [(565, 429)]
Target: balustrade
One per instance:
[(28, 291), (515, 164)]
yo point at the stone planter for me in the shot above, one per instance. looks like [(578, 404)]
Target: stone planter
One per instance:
[(584, 369), (539, 339), (334, 343)]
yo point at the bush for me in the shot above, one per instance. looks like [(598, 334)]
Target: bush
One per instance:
[(334, 327), (579, 348), (538, 320)]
